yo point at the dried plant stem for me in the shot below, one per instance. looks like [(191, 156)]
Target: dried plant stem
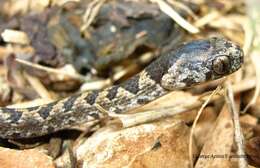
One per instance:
[(184, 7), (50, 70), (195, 123), (167, 9), (256, 63), (91, 12), (207, 18), (249, 36), (38, 87), (239, 138)]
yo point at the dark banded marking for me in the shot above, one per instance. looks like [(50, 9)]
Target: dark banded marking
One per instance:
[(132, 85), (112, 92), (15, 115), (156, 71), (44, 111), (142, 100), (69, 103), (91, 97)]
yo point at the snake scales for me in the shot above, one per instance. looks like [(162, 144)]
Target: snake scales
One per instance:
[(191, 63)]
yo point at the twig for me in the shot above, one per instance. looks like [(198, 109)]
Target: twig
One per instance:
[(38, 86), (184, 7), (14, 36), (91, 12), (239, 138), (207, 18), (175, 16), (249, 35), (256, 63), (195, 123), (96, 84), (51, 70)]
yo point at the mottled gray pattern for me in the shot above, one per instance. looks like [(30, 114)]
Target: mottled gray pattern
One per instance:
[(190, 64)]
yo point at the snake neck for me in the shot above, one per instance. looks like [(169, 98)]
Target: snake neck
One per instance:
[(140, 90)]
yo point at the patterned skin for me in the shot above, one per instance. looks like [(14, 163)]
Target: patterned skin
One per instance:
[(188, 65)]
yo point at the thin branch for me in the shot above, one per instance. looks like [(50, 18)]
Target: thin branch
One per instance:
[(239, 138), (167, 9), (195, 123)]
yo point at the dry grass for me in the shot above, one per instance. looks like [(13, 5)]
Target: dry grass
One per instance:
[(235, 20)]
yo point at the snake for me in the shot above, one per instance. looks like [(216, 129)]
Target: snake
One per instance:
[(188, 64)]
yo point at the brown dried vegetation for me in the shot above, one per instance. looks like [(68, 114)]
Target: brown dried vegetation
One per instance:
[(52, 49)]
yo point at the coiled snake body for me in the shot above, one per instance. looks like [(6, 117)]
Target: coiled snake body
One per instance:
[(189, 64)]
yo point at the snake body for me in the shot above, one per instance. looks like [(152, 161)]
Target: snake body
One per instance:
[(189, 64)]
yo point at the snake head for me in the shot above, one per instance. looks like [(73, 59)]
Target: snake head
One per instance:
[(200, 61)]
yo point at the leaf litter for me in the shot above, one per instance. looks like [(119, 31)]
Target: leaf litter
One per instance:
[(57, 48)]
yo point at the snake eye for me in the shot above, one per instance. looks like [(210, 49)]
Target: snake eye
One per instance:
[(221, 65)]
